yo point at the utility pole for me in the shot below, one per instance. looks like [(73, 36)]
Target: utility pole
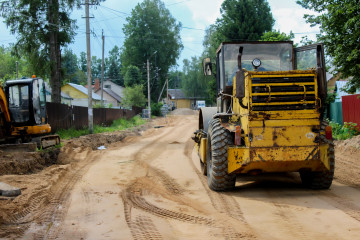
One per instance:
[(102, 69), (167, 91), (17, 70), (148, 78), (90, 109)]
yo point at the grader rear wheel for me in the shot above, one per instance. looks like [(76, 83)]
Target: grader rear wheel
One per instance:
[(216, 158), (321, 180)]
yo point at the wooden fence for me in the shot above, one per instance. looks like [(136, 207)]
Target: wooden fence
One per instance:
[(61, 116), (351, 109)]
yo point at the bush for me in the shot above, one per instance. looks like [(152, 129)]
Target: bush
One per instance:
[(346, 131), (156, 109)]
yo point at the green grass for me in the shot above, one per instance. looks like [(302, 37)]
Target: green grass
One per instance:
[(343, 132), (117, 125)]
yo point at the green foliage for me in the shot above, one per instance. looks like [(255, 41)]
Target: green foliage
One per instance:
[(240, 21), (132, 76), (331, 96), (340, 32), (113, 66), (8, 65), (42, 28), (134, 96), (69, 64), (117, 125), (156, 109), (95, 67), (194, 83), (151, 28), (276, 36), (346, 131)]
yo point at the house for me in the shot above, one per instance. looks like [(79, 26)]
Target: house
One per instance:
[(112, 93), (79, 94), (110, 97), (65, 99), (179, 100)]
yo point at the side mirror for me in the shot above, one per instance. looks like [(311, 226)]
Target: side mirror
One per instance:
[(207, 66)]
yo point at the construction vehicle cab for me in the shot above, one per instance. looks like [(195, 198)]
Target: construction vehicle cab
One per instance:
[(23, 110), (268, 117)]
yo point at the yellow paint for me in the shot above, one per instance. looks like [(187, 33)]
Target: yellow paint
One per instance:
[(274, 159), (202, 150), (32, 130), (282, 136), (182, 103), (323, 155), (73, 92)]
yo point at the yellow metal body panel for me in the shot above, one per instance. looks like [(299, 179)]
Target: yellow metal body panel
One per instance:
[(282, 136), (277, 140), (277, 159), (202, 150), (32, 130)]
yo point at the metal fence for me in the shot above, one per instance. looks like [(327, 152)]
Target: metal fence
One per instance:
[(351, 108), (61, 116)]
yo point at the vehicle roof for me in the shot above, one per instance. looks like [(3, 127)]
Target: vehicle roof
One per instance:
[(252, 42), (19, 81)]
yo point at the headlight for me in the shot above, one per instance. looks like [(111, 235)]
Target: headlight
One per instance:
[(256, 63)]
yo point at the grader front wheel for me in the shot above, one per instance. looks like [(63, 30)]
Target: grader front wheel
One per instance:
[(216, 158)]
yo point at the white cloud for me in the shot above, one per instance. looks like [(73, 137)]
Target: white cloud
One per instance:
[(291, 19), (204, 12)]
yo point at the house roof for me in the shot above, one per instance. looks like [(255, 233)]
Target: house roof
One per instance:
[(111, 93), (63, 95), (176, 94), (84, 90)]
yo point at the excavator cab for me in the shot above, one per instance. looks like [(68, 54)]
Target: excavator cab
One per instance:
[(27, 101), (25, 108)]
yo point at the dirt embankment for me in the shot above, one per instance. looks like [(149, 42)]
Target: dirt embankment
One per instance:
[(347, 161)]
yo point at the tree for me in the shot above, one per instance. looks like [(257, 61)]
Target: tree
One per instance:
[(113, 66), (340, 32), (276, 36), (43, 27), (151, 33), (241, 20), (134, 96), (83, 62), (69, 64), (133, 76), (8, 65), (95, 67), (194, 83)]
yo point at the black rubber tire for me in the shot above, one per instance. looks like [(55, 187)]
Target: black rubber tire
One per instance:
[(321, 180), (216, 157)]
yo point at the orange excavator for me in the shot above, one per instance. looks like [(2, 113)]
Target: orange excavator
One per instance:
[(23, 116)]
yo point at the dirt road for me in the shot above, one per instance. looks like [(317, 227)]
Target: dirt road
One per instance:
[(150, 187)]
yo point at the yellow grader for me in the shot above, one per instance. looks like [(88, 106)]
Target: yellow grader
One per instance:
[(269, 115)]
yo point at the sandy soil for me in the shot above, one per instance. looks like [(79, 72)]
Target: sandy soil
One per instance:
[(148, 185)]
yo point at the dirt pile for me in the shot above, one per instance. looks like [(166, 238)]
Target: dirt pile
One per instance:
[(347, 161)]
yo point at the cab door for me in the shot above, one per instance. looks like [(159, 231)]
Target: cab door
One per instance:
[(312, 57)]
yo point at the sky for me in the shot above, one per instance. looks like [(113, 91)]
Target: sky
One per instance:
[(195, 16)]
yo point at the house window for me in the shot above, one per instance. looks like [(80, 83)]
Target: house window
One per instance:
[(108, 86)]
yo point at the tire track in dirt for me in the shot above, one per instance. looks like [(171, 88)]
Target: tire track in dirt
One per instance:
[(341, 203), (54, 212), (222, 202), (286, 218), (133, 195)]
